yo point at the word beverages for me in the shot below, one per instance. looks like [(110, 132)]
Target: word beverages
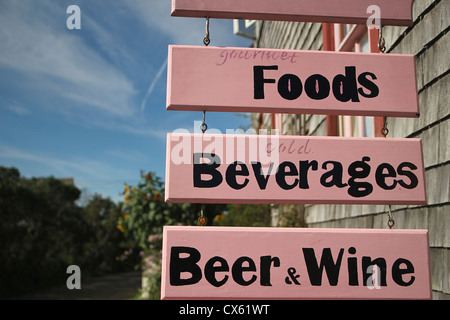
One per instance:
[(236, 168)]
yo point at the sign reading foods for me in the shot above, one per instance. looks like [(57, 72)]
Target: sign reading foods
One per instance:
[(291, 81)]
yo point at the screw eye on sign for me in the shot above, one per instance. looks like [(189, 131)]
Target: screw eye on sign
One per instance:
[(238, 168), (294, 263), (291, 81), (397, 13)]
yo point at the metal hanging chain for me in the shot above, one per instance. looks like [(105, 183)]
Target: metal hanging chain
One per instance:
[(390, 221), (385, 130), (382, 48), (381, 41), (202, 219), (206, 39), (204, 126)]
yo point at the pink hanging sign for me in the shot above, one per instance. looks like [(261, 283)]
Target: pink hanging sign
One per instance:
[(294, 263), (396, 13), (291, 81), (238, 168)]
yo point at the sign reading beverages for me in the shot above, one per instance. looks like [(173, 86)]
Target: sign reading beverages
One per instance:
[(235, 168), (291, 81), (294, 263), (397, 13)]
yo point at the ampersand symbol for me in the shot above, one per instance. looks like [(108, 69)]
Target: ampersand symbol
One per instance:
[(292, 276)]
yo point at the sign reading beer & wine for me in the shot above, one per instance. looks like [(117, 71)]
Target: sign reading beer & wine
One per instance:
[(294, 263)]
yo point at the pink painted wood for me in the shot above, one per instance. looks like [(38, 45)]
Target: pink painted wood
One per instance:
[(302, 169), (291, 81), (397, 13), (294, 263)]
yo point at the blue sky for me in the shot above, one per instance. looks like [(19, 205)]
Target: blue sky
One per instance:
[(90, 103)]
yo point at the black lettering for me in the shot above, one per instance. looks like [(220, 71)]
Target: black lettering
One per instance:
[(260, 178), (290, 86), (315, 271), (238, 269), (397, 273), (207, 168), (258, 80), (352, 268), (412, 177), (381, 264), (359, 169), (304, 167), (188, 264), (317, 87), (265, 263), (232, 172), (344, 86), (369, 85), (282, 173), (335, 174), (380, 176), (210, 270)]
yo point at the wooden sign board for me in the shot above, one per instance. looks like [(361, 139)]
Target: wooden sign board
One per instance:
[(238, 168), (291, 81), (396, 13), (294, 263)]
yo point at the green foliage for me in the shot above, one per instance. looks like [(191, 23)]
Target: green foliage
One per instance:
[(43, 231), (145, 212), (291, 215), (246, 215)]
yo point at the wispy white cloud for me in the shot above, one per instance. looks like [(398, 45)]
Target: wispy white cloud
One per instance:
[(185, 31), (153, 84), (18, 109), (82, 167), (58, 62)]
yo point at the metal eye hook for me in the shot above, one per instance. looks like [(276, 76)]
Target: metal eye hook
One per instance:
[(381, 41), (385, 130), (206, 39), (391, 221), (204, 126), (202, 219)]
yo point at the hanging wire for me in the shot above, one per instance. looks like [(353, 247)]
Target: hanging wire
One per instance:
[(390, 221), (385, 130), (202, 219), (381, 41), (382, 48), (204, 126), (206, 39)]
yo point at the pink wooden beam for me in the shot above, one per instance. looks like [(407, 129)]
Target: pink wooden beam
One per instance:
[(234, 168), (291, 81), (397, 13), (294, 263)]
